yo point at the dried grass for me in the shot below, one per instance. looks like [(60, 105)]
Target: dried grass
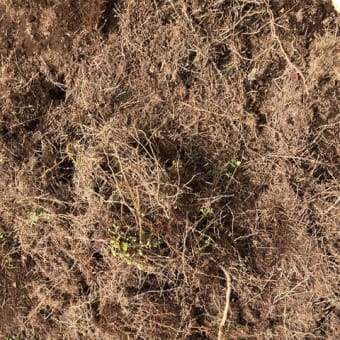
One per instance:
[(122, 113)]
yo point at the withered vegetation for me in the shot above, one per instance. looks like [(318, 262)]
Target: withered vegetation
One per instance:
[(169, 169)]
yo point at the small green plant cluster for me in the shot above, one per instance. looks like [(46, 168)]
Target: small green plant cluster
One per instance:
[(207, 243), (205, 211), (230, 68), (37, 214), (78, 161), (228, 169), (235, 163), (128, 247)]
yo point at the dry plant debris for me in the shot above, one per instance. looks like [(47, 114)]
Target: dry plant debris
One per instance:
[(169, 169)]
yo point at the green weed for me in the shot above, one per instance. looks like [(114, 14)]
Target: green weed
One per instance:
[(128, 247), (230, 68), (235, 163), (205, 211), (211, 173), (207, 243), (228, 169), (37, 214), (78, 161), (82, 331)]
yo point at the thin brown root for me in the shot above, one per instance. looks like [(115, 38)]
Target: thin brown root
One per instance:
[(226, 306)]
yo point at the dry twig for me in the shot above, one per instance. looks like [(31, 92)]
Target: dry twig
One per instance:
[(226, 306)]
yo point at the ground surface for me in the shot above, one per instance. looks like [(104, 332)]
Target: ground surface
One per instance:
[(150, 150)]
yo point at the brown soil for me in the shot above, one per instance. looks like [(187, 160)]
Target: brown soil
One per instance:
[(152, 150)]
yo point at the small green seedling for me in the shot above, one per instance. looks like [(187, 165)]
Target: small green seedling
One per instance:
[(177, 164), (78, 161), (230, 68), (37, 214), (82, 331), (128, 247), (235, 163), (120, 245), (211, 173), (2, 237), (207, 243), (205, 211), (252, 74)]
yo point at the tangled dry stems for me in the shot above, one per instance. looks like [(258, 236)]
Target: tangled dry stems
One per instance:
[(129, 115)]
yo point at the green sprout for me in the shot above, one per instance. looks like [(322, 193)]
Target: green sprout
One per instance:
[(78, 161), (127, 247), (177, 164), (252, 74), (224, 170), (230, 68), (37, 214), (213, 172), (235, 163), (205, 211), (82, 331), (207, 243)]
